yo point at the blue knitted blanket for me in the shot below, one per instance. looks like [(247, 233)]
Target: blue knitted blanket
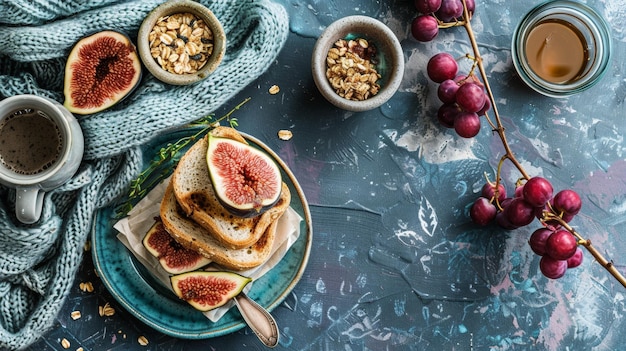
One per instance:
[(38, 262)]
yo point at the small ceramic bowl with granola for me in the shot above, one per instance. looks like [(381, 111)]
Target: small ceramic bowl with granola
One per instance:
[(181, 42), (357, 63)]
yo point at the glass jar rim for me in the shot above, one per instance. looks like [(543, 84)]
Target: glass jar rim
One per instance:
[(593, 25)]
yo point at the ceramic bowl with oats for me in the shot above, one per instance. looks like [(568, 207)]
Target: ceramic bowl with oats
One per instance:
[(357, 63), (181, 42)]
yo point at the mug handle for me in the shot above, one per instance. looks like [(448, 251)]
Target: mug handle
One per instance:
[(28, 204)]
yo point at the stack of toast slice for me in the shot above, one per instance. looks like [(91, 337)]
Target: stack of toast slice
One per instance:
[(195, 218)]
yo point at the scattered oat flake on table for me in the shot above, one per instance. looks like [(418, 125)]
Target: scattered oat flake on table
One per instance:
[(75, 315), (65, 343), (274, 89), (285, 134), (106, 310), (142, 340), (86, 287)]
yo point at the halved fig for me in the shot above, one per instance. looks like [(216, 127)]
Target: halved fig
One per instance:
[(172, 256), (206, 290), (246, 180), (101, 70)]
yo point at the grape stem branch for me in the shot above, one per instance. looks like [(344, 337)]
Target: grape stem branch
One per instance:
[(498, 128)]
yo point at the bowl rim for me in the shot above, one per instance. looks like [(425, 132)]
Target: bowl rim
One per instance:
[(181, 6), (371, 28)]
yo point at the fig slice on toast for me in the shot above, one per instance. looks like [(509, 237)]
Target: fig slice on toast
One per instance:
[(207, 290), (173, 257), (246, 180)]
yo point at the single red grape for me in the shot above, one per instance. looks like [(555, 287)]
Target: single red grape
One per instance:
[(446, 92), (519, 212), (467, 124), (442, 66), (470, 97), (561, 245), (552, 268), (486, 106), (537, 240), (450, 10), (428, 6), (504, 203), (537, 191), (519, 191), (504, 223), (489, 191), (447, 114), (576, 259), (471, 6), (424, 28), (483, 211), (567, 201)]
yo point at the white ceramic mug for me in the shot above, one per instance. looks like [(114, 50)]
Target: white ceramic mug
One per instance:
[(41, 147)]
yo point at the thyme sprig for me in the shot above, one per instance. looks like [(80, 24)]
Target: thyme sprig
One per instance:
[(162, 164)]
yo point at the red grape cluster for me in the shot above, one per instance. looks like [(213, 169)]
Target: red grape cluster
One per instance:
[(463, 97), (425, 26), (557, 246), (464, 100)]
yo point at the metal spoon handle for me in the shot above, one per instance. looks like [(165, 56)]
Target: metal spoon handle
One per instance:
[(258, 319)]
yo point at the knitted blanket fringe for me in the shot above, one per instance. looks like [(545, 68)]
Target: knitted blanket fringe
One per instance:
[(38, 262)]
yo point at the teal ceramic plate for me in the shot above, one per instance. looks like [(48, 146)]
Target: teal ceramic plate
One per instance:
[(146, 298)]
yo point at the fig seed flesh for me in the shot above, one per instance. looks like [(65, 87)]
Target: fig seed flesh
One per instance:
[(101, 70), (246, 180), (207, 290), (173, 257)]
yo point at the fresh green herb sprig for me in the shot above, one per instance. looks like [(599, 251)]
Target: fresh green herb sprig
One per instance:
[(161, 166)]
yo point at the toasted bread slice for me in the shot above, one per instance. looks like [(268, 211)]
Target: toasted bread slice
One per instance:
[(194, 192), (194, 237)]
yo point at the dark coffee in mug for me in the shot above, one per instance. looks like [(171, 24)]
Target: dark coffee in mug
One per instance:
[(30, 142)]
